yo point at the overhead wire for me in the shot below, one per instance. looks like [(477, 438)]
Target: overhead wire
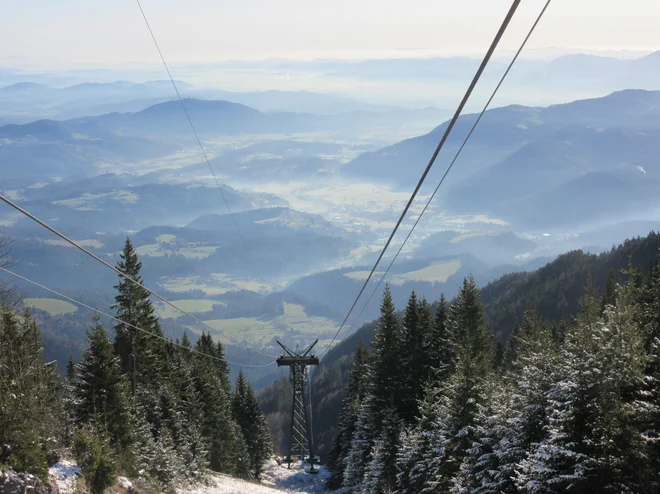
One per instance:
[(199, 141), (81, 304), (123, 275), (468, 93), (192, 126), (458, 153)]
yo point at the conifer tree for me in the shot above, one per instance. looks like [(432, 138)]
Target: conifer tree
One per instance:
[(380, 474), (417, 447), (443, 343), (100, 390), (255, 430), (465, 391), (484, 467), (383, 392), (412, 358), (609, 297), (29, 396), (588, 419), (142, 356), (211, 381), (347, 422)]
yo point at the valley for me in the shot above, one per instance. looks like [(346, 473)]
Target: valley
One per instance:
[(313, 198)]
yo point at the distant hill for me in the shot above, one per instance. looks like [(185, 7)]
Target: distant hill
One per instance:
[(127, 207), (428, 276), (22, 101), (553, 160), (275, 221), (494, 247)]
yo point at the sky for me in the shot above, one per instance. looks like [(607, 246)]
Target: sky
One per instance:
[(67, 33)]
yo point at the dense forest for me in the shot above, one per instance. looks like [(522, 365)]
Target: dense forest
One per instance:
[(437, 406), (552, 291), (142, 405)]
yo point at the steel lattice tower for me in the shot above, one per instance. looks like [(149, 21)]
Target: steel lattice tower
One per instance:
[(301, 442)]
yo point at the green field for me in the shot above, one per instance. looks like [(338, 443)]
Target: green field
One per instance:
[(95, 244), (215, 284), (53, 306), (199, 305), (165, 247), (258, 331), (433, 274)]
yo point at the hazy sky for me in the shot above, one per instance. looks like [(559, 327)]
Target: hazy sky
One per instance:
[(112, 31)]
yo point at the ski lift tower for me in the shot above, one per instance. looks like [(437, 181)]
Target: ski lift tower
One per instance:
[(301, 442)]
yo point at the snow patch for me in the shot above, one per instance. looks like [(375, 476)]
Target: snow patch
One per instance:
[(274, 478), (297, 479), (65, 473), (124, 483)]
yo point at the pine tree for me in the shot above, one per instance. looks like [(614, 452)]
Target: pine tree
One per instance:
[(481, 470), (465, 391), (347, 422), (609, 297), (212, 383), (255, 430), (417, 447), (380, 474), (412, 348), (467, 319), (591, 443), (443, 343), (100, 390), (143, 357), (383, 392), (185, 415), (29, 396)]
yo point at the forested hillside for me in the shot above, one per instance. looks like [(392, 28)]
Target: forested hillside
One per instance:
[(436, 406), (553, 292), (138, 404)]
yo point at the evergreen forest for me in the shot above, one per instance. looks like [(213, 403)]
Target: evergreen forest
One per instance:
[(437, 406), (136, 404)]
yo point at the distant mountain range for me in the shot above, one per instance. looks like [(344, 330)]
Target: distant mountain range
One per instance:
[(22, 102), (538, 167), (88, 145)]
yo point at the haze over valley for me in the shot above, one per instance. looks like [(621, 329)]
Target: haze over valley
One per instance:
[(315, 182)]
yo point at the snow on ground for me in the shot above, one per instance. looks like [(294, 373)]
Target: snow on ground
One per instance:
[(275, 478), (295, 480), (65, 472), (224, 484)]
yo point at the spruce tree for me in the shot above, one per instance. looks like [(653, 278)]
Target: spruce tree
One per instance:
[(647, 391), (417, 448), (253, 424), (591, 443), (100, 390), (29, 396), (142, 356), (211, 381), (412, 359), (347, 421), (465, 391), (443, 343), (380, 474), (383, 393)]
